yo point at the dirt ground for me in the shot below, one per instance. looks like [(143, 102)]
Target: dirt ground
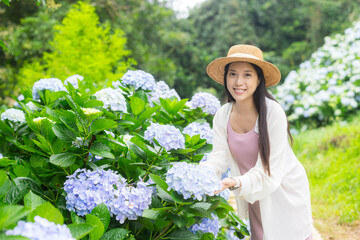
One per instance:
[(332, 230)]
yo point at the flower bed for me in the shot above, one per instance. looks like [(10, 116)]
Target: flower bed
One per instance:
[(111, 163)]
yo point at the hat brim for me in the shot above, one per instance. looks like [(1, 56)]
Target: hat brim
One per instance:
[(216, 69)]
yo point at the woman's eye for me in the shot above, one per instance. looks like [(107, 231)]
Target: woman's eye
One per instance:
[(232, 74), (247, 75)]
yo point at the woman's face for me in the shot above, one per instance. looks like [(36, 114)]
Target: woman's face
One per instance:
[(242, 81)]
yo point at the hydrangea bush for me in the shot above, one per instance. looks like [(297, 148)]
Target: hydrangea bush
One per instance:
[(327, 86), (114, 163)]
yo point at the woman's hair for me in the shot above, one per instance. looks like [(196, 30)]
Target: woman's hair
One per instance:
[(259, 99)]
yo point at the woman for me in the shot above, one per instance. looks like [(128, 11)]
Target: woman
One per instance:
[(251, 135)]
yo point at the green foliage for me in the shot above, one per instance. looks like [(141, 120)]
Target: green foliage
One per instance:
[(81, 46), (331, 157)]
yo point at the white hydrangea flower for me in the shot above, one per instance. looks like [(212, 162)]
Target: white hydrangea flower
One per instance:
[(74, 80), (14, 115), (112, 98), (52, 84)]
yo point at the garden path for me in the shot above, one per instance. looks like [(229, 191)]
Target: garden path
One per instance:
[(315, 232)]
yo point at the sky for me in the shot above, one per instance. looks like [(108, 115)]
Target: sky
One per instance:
[(182, 6)]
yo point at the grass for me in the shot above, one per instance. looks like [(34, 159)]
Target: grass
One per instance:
[(331, 157)]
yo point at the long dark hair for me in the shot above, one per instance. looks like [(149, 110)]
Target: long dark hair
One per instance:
[(259, 99)]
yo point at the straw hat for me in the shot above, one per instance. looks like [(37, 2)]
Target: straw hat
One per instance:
[(244, 53)]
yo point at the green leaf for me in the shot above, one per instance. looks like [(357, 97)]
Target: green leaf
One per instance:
[(75, 218), (12, 237), (98, 231), (32, 201), (7, 2), (21, 171), (147, 113), (62, 132), (4, 162), (2, 44), (116, 233), (137, 105), (93, 103), (182, 234), (207, 236), (153, 214), (101, 211), (63, 159), (179, 221), (159, 181), (29, 182), (5, 128), (102, 124), (164, 195), (11, 214), (136, 150), (46, 129), (102, 150), (33, 150), (195, 139), (183, 151), (80, 230), (123, 122), (48, 211), (5, 183), (16, 193)]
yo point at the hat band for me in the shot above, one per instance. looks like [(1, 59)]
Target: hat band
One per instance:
[(243, 55)]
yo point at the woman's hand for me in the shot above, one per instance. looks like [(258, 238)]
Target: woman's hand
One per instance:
[(226, 183)]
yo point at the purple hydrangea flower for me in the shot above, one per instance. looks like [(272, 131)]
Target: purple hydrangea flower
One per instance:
[(13, 115), (74, 80), (207, 225), (192, 181), (41, 229), (203, 129), (206, 101), (139, 79), (85, 189), (130, 202), (112, 98), (52, 84), (167, 136)]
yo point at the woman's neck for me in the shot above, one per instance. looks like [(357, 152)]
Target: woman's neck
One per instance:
[(245, 108)]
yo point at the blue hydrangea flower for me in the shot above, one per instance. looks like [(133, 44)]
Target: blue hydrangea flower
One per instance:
[(52, 84), (225, 194), (73, 80), (162, 90), (192, 181), (167, 136), (1, 156), (207, 225), (85, 189), (230, 235), (130, 202), (112, 98), (203, 129), (139, 79), (206, 101), (13, 115), (41, 229)]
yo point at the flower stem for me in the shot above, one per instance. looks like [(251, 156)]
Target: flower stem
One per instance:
[(164, 232)]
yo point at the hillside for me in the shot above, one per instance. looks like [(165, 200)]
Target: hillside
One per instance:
[(331, 157)]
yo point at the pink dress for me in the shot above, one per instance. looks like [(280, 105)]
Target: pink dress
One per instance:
[(245, 149)]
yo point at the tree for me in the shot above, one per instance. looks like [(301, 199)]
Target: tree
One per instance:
[(81, 46)]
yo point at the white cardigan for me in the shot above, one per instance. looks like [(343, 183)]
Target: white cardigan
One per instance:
[(284, 196)]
